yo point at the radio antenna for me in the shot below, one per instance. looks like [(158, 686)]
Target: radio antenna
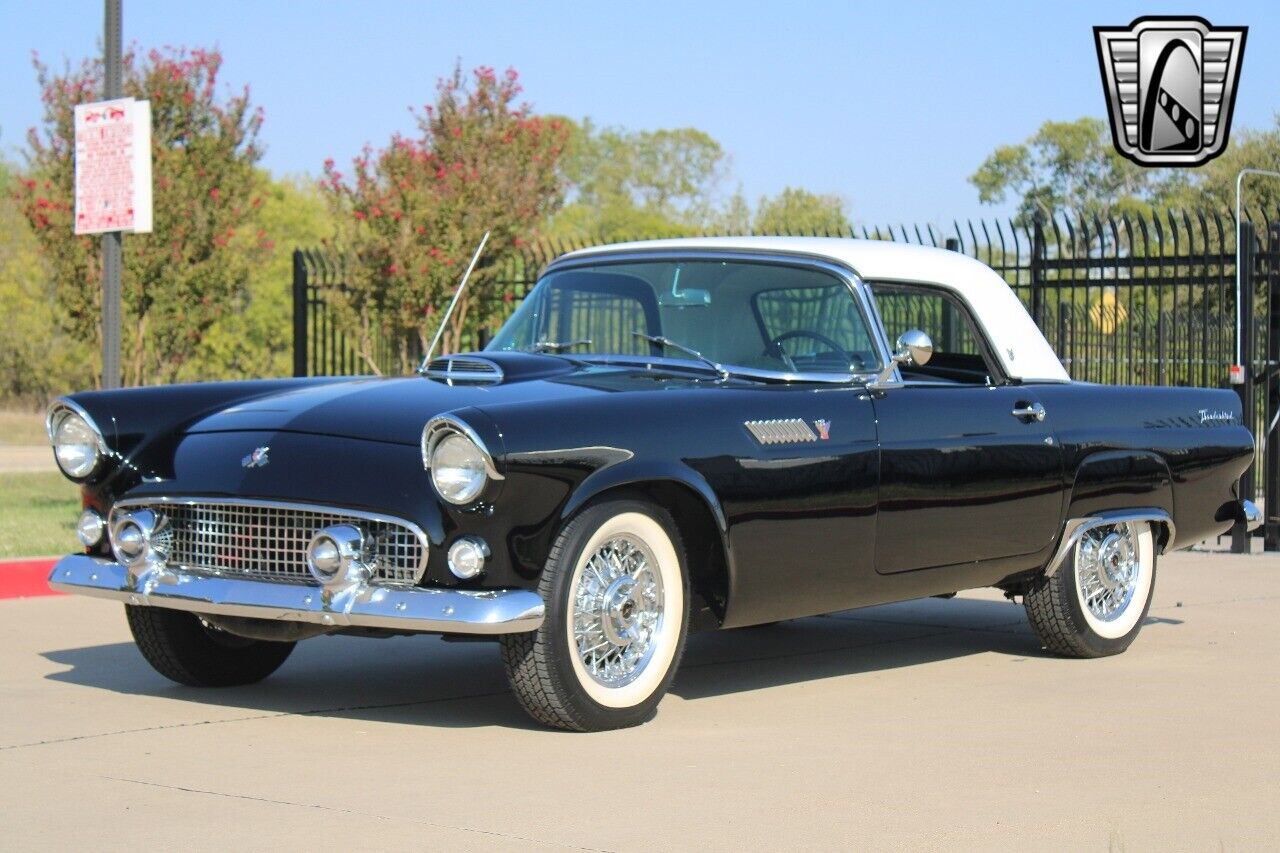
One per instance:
[(444, 321)]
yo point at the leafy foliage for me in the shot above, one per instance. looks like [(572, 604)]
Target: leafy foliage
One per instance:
[(622, 183), (1068, 164), (179, 280), (412, 213), (1213, 185), (798, 211), (254, 338), (36, 359)]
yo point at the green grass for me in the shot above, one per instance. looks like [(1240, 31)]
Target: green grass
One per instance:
[(38, 514), (21, 427)]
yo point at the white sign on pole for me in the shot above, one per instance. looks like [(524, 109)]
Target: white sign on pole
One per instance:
[(113, 166)]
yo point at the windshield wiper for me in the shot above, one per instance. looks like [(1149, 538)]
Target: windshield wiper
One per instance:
[(662, 341), (556, 346)]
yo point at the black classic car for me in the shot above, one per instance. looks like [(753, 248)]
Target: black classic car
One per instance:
[(666, 436)]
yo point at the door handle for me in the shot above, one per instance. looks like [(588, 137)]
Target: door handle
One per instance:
[(1028, 412)]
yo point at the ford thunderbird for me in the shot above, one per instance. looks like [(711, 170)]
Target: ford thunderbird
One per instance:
[(665, 437)]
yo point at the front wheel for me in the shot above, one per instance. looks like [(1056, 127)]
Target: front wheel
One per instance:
[(616, 593), (1095, 604), (183, 648)]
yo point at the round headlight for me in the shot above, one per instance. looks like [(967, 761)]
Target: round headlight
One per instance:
[(458, 468), (77, 446)]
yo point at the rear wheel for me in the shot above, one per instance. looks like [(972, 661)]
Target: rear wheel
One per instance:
[(184, 649), (1095, 604), (617, 612)]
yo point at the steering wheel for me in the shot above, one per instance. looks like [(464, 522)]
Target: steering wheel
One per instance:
[(776, 344)]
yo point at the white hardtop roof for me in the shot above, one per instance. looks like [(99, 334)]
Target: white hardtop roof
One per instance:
[(1023, 352)]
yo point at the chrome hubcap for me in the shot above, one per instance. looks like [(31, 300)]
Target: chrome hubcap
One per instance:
[(617, 611), (1107, 569)]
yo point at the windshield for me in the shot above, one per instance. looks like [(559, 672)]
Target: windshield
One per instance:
[(748, 314)]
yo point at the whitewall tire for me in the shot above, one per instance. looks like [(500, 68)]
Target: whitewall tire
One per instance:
[(1096, 602), (616, 593)]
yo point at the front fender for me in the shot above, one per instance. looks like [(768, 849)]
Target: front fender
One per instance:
[(638, 472)]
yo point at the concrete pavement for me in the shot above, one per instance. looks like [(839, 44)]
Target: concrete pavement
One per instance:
[(928, 724)]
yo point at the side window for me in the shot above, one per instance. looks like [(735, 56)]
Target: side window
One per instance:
[(959, 355)]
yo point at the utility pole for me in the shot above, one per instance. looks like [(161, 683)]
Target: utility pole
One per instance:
[(112, 241)]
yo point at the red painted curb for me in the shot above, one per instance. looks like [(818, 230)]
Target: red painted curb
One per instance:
[(25, 578)]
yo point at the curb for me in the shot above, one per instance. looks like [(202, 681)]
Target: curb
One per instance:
[(27, 578)]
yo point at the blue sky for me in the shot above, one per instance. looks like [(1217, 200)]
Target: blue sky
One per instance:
[(889, 104)]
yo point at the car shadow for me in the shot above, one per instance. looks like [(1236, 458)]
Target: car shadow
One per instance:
[(428, 681)]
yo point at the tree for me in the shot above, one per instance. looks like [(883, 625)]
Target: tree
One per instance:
[(255, 338), (37, 360), (798, 211), (1066, 164), (180, 279), (624, 183), (1213, 185), (412, 213)]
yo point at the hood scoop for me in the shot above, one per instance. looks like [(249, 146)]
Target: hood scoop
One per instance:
[(464, 370)]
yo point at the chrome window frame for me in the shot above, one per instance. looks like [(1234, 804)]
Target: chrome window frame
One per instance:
[(840, 271), (185, 500)]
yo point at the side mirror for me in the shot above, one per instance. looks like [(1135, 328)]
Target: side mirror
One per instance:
[(913, 347)]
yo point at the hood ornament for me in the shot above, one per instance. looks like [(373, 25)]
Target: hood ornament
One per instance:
[(256, 459)]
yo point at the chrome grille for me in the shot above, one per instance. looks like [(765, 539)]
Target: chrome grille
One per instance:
[(269, 540)]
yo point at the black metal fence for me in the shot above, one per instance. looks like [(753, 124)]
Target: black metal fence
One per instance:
[(1132, 299)]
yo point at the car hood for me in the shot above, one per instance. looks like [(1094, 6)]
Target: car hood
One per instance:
[(393, 409)]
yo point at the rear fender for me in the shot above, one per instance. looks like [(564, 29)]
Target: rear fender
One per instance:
[(1120, 479)]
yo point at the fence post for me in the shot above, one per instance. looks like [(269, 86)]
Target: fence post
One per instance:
[(1271, 458), (1039, 254), (299, 314), (1244, 314)]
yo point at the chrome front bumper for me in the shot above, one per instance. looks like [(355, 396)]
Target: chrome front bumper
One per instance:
[(356, 605)]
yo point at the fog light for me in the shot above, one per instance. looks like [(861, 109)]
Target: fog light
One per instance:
[(90, 528), (467, 557), (140, 537), (130, 541), (338, 553), (323, 557)]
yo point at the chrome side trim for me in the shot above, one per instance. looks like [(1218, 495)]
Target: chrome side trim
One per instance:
[(1075, 528), (417, 531), (781, 431), (356, 605)]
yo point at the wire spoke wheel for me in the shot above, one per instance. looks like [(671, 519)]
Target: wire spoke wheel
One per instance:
[(617, 615), (1095, 604), (617, 611), (1107, 570)]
